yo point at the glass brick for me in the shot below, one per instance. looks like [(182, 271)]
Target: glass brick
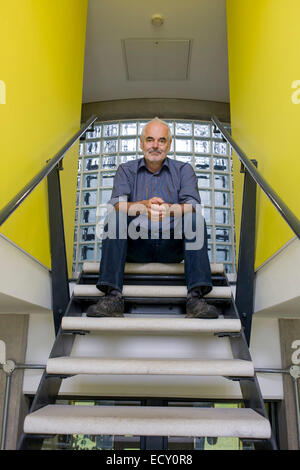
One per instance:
[(90, 135), (223, 235), (74, 268), (141, 126), (87, 234), (127, 158), (202, 163), (221, 164), (86, 252), (77, 198), (171, 126), (75, 234), (81, 148), (201, 130), (207, 215), (210, 253), (105, 195), (110, 130), (90, 180), (92, 148), (127, 145), (184, 158), (221, 181), (183, 145), (78, 182), (97, 131), (88, 216), (223, 253), (183, 128), (79, 165), (128, 128), (209, 233), (110, 146), (220, 148), (203, 180), (74, 253), (228, 268), (201, 146), (107, 179), (109, 162), (222, 199), (76, 216), (99, 252), (222, 216), (205, 197), (216, 134), (89, 198), (91, 164)]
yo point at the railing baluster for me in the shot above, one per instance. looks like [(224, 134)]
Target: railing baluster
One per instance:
[(59, 267), (245, 273)]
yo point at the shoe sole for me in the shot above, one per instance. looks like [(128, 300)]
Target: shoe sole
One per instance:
[(104, 315), (202, 315)]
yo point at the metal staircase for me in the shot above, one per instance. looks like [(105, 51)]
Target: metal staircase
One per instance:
[(155, 297)]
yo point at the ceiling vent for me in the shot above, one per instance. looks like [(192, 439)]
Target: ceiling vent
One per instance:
[(157, 59)]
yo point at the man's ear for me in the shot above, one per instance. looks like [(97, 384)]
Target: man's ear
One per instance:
[(141, 143)]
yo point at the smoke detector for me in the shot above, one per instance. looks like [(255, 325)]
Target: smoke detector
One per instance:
[(157, 20)]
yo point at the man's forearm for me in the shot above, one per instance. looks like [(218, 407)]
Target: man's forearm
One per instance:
[(125, 206), (175, 210)]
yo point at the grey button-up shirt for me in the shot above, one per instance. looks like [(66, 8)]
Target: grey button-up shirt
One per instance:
[(175, 183)]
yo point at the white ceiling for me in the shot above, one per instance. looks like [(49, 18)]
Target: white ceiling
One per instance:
[(111, 21)]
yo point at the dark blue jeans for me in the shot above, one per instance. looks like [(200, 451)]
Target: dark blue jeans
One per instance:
[(116, 251)]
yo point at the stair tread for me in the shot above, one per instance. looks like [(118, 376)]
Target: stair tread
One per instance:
[(151, 268), (87, 290), (148, 421), (154, 366), (162, 325)]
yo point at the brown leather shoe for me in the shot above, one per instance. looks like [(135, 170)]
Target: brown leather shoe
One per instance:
[(196, 307), (107, 306)]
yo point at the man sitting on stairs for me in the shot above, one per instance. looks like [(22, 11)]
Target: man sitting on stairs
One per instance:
[(159, 196)]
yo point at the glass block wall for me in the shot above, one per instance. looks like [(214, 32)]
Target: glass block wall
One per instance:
[(115, 142)]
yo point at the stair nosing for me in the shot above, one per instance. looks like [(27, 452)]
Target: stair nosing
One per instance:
[(68, 365), (134, 420)]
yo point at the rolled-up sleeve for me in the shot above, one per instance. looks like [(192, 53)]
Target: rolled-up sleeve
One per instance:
[(121, 188), (188, 193)]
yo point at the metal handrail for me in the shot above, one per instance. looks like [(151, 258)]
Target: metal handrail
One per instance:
[(17, 200), (278, 203)]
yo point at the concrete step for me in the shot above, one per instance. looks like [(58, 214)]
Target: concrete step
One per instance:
[(148, 421), (153, 325), (87, 290), (151, 268), (131, 366)]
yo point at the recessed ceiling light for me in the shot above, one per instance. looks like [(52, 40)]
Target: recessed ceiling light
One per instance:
[(157, 20)]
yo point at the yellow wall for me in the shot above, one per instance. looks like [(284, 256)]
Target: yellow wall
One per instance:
[(263, 43), (41, 64)]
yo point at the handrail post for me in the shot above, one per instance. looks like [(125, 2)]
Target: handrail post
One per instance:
[(59, 267), (245, 274)]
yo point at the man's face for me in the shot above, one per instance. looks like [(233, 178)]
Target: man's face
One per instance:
[(155, 145)]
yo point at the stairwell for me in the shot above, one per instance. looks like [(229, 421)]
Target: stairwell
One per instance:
[(154, 301)]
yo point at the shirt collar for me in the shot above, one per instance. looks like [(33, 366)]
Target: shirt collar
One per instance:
[(142, 163)]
